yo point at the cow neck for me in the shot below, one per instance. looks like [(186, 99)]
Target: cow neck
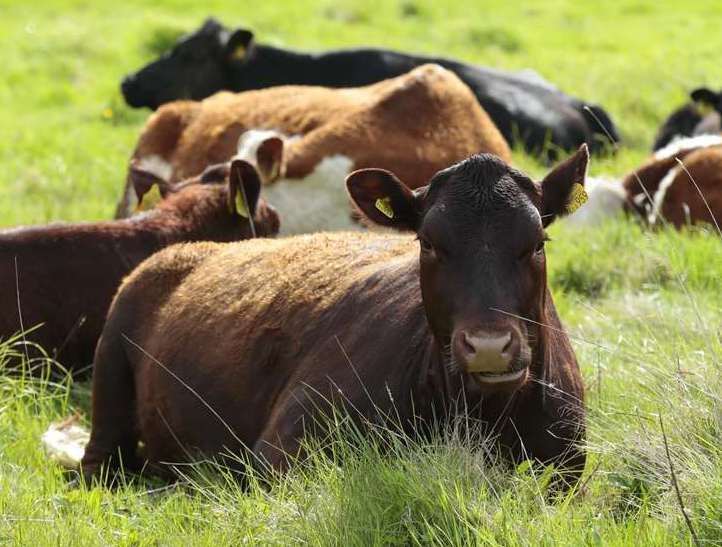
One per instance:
[(191, 221), (436, 385), (289, 68)]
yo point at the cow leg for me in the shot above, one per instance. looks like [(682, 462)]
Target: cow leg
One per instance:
[(280, 441), (276, 448), (549, 434), (113, 437)]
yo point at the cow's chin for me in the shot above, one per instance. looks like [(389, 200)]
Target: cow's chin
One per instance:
[(504, 381)]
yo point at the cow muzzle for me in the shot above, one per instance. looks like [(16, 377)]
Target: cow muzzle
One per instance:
[(497, 356)]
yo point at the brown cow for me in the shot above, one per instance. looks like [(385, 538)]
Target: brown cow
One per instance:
[(329, 132), (211, 348), (663, 190), (67, 274)]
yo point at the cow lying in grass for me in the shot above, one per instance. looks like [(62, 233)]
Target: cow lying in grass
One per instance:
[(700, 116), (64, 276), (213, 348), (528, 110), (662, 190), (413, 125)]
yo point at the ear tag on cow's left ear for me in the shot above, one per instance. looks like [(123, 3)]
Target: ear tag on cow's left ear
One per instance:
[(150, 199), (577, 197), (384, 205), (241, 207), (239, 53)]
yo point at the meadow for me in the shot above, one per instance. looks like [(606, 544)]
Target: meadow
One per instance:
[(644, 309)]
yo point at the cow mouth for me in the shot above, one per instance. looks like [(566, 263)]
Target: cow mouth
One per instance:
[(500, 378)]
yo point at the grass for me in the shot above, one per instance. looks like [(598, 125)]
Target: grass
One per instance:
[(644, 308)]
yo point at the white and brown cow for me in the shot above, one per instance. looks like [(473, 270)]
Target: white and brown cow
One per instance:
[(414, 125), (679, 184)]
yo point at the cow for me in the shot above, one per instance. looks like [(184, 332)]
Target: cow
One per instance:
[(528, 110), (700, 116), (312, 137), (63, 276), (664, 191), (241, 349)]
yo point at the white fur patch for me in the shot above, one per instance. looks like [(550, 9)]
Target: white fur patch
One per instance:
[(156, 165), (249, 142), (65, 442), (687, 143), (606, 199), (317, 202), (658, 199)]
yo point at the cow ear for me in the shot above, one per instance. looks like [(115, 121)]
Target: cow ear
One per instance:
[(705, 96), (269, 158), (384, 199), (239, 45), (218, 172), (149, 188), (563, 188), (244, 188)]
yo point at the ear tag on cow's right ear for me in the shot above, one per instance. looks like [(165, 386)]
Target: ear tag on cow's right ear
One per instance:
[(384, 205), (703, 108), (241, 207), (150, 199), (239, 53), (577, 197)]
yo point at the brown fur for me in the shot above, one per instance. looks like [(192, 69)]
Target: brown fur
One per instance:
[(682, 203), (268, 333), (68, 273), (414, 125)]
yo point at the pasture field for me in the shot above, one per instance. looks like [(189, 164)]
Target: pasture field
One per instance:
[(644, 309)]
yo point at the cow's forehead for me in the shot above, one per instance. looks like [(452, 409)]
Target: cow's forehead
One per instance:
[(205, 34), (482, 186)]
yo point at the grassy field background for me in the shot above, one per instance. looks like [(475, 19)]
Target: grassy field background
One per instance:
[(644, 309)]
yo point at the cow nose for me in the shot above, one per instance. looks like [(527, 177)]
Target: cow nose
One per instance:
[(487, 351), (126, 86)]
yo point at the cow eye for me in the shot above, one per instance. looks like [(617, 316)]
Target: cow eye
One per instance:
[(538, 250), (426, 246)]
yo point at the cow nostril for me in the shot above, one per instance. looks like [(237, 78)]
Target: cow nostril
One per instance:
[(467, 344), (127, 83), (508, 345)]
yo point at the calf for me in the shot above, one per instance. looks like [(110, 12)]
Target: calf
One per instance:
[(64, 276), (454, 316), (325, 134), (527, 109), (664, 190), (701, 116)]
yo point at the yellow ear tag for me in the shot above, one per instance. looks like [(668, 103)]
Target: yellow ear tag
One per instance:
[(241, 207), (703, 108), (150, 199), (384, 205), (577, 197), (239, 53)]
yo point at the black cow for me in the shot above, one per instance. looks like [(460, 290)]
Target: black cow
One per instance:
[(524, 106), (700, 116)]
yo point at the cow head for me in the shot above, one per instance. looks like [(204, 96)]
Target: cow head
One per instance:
[(480, 226), (196, 67), (225, 198), (706, 99)]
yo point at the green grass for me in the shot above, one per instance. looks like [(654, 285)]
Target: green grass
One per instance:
[(644, 308)]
